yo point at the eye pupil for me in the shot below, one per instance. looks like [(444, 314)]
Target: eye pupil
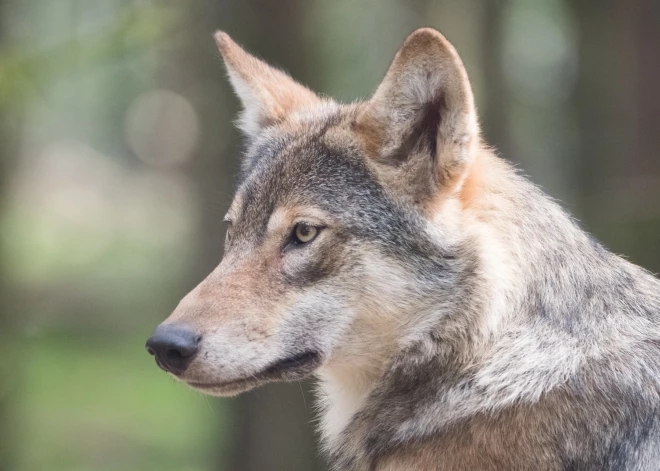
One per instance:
[(304, 233)]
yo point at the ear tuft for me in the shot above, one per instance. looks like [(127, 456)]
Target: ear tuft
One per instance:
[(223, 41), (268, 95), (421, 118)]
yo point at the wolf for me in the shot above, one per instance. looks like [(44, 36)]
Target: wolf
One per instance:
[(455, 316)]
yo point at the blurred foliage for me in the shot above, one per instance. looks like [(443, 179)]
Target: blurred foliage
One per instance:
[(25, 71), (96, 403)]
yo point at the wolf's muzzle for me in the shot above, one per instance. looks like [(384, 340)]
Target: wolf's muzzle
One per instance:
[(174, 346)]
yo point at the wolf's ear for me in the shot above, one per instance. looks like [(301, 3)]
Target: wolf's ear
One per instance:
[(420, 127), (267, 94)]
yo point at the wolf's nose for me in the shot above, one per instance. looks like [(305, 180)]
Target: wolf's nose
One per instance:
[(174, 346)]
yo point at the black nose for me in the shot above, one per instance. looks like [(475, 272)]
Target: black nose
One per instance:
[(174, 346)]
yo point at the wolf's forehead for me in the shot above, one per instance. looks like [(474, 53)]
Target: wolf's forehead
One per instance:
[(301, 170), (298, 135)]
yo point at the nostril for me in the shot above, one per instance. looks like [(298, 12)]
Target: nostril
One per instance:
[(174, 354), (178, 354), (151, 351)]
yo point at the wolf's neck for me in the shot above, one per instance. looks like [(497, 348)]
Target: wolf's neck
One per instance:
[(341, 392)]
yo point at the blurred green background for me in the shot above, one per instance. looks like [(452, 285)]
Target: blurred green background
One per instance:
[(117, 161)]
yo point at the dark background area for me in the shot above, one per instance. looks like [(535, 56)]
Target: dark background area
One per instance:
[(117, 162)]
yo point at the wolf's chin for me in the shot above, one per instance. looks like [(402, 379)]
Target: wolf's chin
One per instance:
[(227, 389), (293, 368)]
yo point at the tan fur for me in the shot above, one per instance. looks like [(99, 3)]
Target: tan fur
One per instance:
[(236, 286), (472, 188), (269, 94)]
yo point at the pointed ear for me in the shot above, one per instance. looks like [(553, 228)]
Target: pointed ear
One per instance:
[(420, 127), (267, 94)]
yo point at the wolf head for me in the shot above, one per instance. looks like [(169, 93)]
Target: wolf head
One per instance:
[(343, 233)]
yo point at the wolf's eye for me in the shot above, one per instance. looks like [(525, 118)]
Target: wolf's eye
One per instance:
[(304, 233)]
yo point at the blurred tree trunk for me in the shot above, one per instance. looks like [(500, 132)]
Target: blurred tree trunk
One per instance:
[(270, 428), (644, 24), (641, 18), (596, 93), (5, 351), (7, 148), (618, 105), (495, 121)]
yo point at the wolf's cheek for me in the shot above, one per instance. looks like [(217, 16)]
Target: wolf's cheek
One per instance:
[(317, 320)]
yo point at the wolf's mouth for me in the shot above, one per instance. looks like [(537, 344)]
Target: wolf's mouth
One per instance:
[(292, 368), (295, 362)]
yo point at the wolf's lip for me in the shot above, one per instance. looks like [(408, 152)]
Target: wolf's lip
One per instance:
[(294, 362), (289, 369)]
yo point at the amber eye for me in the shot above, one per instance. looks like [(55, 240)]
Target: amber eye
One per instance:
[(304, 233)]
